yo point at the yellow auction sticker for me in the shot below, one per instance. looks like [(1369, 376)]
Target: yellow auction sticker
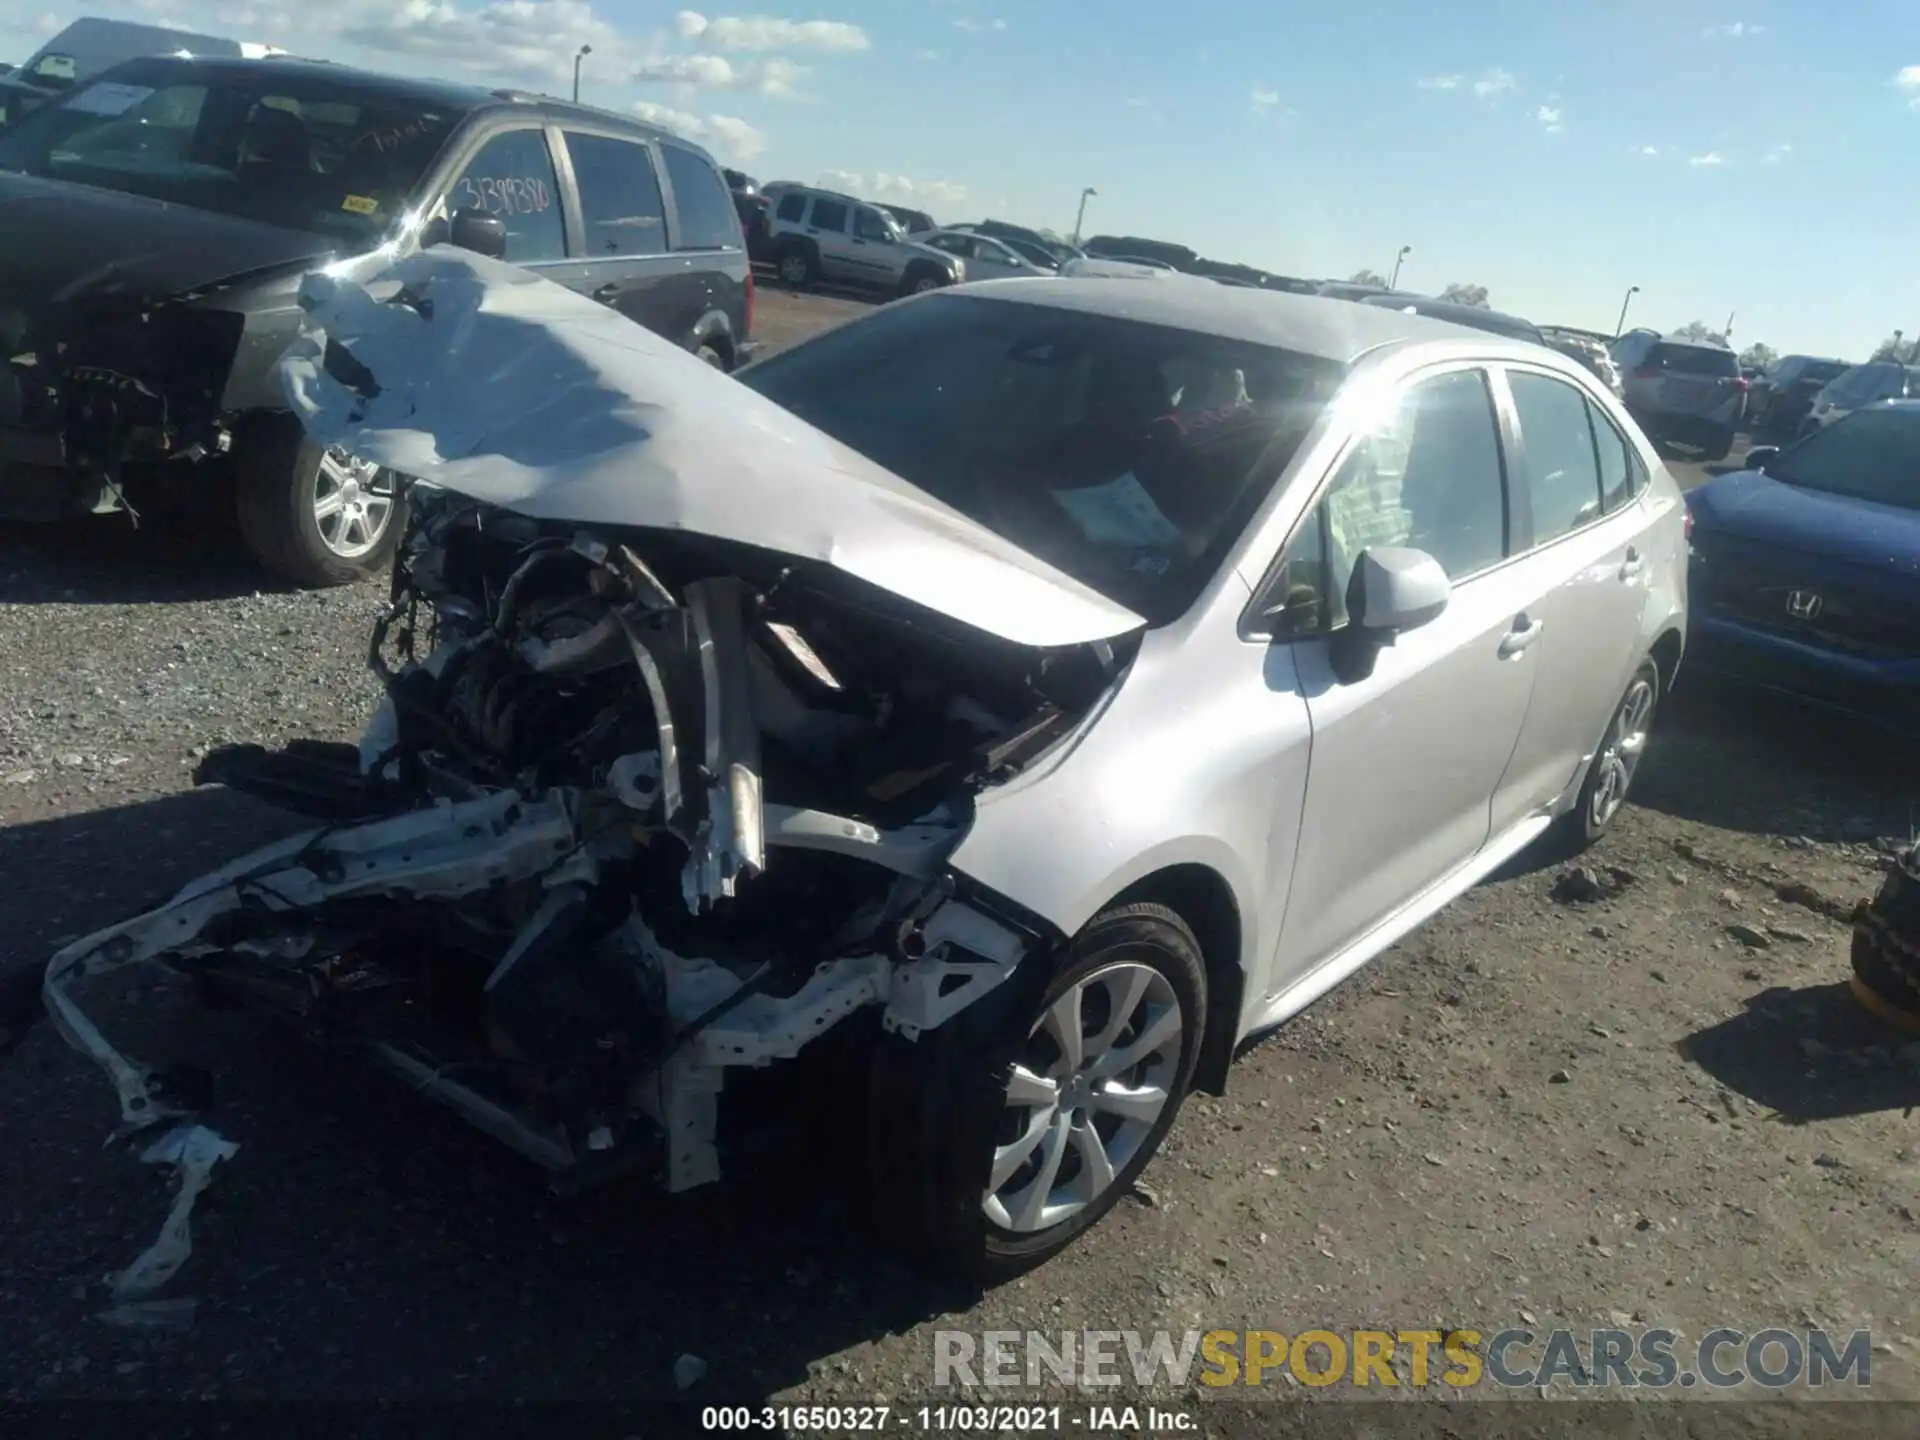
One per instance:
[(360, 204)]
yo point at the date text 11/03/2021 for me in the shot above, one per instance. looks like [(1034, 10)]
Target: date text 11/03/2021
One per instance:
[(949, 1419)]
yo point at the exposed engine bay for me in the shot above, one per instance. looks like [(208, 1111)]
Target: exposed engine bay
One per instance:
[(636, 808)]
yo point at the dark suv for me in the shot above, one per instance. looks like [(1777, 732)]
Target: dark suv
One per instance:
[(155, 223), (1780, 399)]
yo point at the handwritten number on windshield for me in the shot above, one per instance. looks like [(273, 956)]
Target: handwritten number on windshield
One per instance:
[(504, 195)]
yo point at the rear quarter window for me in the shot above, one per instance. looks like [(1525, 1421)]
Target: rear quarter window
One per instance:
[(702, 206)]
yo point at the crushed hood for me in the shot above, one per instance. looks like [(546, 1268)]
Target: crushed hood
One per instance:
[(487, 380)]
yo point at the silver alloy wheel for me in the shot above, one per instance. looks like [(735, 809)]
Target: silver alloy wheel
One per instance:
[(1094, 1078), (352, 503), (793, 268), (924, 284), (1620, 755)]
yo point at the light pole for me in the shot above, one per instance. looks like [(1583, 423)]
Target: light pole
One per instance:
[(584, 51), (1394, 283), (1080, 218), (1620, 326)]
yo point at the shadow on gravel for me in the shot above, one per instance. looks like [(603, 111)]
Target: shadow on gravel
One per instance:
[(104, 560), (366, 1242), (1808, 1055), (1750, 761)]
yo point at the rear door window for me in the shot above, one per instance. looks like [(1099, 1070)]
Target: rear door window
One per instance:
[(1622, 475), (512, 180), (830, 215), (792, 207), (1556, 439), (702, 208), (620, 204)]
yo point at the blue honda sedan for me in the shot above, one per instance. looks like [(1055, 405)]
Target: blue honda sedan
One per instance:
[(1805, 573)]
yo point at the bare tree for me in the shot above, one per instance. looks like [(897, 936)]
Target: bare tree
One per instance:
[(1368, 277), (1697, 332), (1894, 348), (1758, 357), (1466, 295)]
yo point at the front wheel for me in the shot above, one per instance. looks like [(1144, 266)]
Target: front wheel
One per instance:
[(1719, 449), (1604, 790), (991, 1155), (315, 515)]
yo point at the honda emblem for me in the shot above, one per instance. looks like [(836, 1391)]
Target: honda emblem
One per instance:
[(1802, 604)]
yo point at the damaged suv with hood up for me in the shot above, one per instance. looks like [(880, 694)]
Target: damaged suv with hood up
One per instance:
[(1071, 678), (154, 226)]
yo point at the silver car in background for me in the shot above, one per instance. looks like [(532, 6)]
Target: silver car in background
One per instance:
[(1679, 391), (1076, 676)]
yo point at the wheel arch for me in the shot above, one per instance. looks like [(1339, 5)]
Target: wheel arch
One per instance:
[(1665, 653), (1201, 896)]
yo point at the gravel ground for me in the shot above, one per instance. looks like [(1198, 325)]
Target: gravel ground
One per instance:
[(1533, 1110)]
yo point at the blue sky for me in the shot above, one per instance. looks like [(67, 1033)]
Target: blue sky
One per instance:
[(1755, 160)]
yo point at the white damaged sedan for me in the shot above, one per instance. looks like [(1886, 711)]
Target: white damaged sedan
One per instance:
[(1073, 678)]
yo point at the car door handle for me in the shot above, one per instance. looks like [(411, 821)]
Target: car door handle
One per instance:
[(1632, 566), (607, 294), (1519, 640)]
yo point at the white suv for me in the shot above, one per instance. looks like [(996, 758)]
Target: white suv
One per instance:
[(821, 235)]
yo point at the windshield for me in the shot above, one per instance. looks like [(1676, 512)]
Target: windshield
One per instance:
[(1871, 455), (289, 149), (1128, 455)]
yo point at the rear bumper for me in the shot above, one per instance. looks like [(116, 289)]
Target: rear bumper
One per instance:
[(1687, 429), (1885, 693)]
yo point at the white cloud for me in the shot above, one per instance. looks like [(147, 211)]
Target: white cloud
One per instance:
[(1549, 118), (1777, 154), (1134, 102), (1494, 82), (1263, 99), (999, 24), (729, 136), (775, 77), (763, 32), (50, 24), (966, 22), (1736, 30), (1441, 82), (927, 55), (1712, 157), (933, 194), (1649, 149), (780, 79), (711, 71), (530, 38), (1908, 81)]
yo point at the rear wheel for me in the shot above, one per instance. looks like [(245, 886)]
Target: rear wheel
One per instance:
[(797, 266), (315, 515), (1719, 448), (1604, 790), (709, 354), (992, 1154)]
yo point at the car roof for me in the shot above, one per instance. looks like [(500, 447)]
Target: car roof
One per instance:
[(1693, 345), (1315, 325), (1452, 310), (437, 92)]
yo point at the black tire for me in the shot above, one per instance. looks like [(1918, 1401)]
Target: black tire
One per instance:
[(797, 265), (921, 278), (1581, 827), (277, 468), (707, 353), (1719, 449), (936, 1104)]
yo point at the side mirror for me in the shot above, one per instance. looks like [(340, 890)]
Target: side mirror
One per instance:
[(481, 233), (1393, 589), (1761, 456)]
